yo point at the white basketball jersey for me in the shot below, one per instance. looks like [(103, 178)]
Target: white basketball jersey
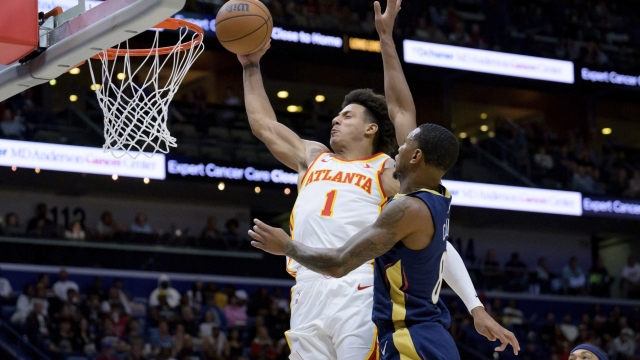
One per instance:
[(336, 199)]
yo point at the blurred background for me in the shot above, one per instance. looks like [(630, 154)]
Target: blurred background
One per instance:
[(543, 95)]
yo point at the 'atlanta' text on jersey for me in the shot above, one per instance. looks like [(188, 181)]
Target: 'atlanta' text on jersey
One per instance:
[(362, 181)]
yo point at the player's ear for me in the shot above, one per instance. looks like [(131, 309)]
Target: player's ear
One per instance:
[(417, 156), (371, 128)]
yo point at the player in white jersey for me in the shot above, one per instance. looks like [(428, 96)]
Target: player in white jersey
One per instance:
[(339, 193)]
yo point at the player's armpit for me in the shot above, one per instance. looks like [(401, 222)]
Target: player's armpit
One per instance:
[(389, 184)]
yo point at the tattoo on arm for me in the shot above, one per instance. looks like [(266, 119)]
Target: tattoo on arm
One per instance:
[(362, 247), (313, 153), (251, 66)]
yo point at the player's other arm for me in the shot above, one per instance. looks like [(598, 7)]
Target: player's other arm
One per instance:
[(402, 109), (395, 223), (283, 143)]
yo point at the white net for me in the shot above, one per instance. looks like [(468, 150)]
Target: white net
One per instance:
[(135, 99)]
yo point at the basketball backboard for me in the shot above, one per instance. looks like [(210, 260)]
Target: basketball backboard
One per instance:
[(87, 33)]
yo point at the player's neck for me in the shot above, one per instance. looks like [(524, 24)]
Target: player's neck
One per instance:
[(354, 153), (414, 183)]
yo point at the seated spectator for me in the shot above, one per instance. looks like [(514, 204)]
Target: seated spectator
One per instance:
[(260, 302), (574, 278), (599, 279), (162, 338), (215, 345), (515, 274), (544, 276), (64, 341), (134, 333), (12, 127), (211, 320), (106, 226), (210, 233), (278, 297), (40, 220), (582, 181), (63, 284), (235, 314), (24, 304), (96, 287), (262, 345), (75, 231), (110, 335), (6, 292), (114, 299), (511, 315), (232, 237), (623, 346), (163, 311), (107, 352), (568, 329), (141, 225), (234, 348), (491, 273), (172, 295), (85, 339), (630, 279), (634, 185), (221, 299), (12, 226), (185, 349), (531, 352), (38, 325), (543, 160), (132, 308), (618, 185), (189, 322), (196, 295), (137, 353)]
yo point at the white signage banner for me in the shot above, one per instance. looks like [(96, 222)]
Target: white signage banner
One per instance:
[(610, 77), (220, 172), (79, 159), (490, 62), (303, 37), (514, 198)]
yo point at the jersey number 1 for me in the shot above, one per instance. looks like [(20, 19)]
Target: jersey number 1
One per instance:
[(327, 211)]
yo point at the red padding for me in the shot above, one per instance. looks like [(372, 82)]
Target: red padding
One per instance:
[(18, 29)]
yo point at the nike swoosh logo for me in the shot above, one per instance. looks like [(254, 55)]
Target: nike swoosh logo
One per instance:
[(363, 287), (384, 348)]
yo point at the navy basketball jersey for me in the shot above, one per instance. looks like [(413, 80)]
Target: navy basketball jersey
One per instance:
[(407, 282)]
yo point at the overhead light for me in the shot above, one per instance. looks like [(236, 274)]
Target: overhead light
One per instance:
[(257, 189), (283, 94), (114, 176), (320, 98), (474, 140), (121, 76), (74, 71), (294, 108), (492, 134), (146, 180), (221, 186), (14, 168), (95, 87), (463, 135), (483, 116), (484, 128), (73, 98), (52, 82), (287, 191), (37, 170), (606, 131)]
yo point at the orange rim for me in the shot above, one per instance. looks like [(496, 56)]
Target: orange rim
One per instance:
[(169, 24)]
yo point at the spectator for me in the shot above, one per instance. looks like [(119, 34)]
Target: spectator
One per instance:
[(278, 297), (262, 345), (86, 339), (185, 349), (41, 225), (235, 314), (163, 311), (6, 291), (141, 225), (210, 234), (515, 273), (232, 237), (215, 345), (107, 352), (544, 276), (230, 99), (114, 300), (75, 231), (634, 185), (196, 295), (172, 295), (543, 160), (511, 315), (38, 325), (63, 284), (23, 305), (619, 184), (135, 309), (599, 279), (573, 278), (582, 181), (64, 340), (134, 333), (491, 272), (569, 330), (532, 352), (162, 338), (211, 320), (11, 126), (234, 348), (623, 346), (106, 226), (189, 322), (137, 353), (630, 279), (12, 226)]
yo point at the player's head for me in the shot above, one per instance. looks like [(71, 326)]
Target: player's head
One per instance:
[(587, 352), (429, 147), (364, 119)]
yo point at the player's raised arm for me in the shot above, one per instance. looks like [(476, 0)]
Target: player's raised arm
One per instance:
[(395, 223), (283, 143), (402, 109)]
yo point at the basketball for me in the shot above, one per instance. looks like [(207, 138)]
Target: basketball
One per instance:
[(243, 26)]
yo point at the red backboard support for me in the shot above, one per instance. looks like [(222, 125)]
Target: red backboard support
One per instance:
[(18, 29)]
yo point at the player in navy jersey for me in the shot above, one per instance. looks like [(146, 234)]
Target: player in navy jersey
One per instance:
[(408, 242)]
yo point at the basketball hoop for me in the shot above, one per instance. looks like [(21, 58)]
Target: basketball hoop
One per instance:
[(135, 101)]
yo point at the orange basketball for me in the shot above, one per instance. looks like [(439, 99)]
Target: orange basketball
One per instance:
[(243, 26)]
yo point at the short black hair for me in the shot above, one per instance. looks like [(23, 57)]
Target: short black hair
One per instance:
[(377, 113), (439, 146)]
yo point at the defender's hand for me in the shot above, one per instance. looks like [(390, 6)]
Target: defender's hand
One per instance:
[(489, 328), (254, 58), (384, 22), (268, 238)]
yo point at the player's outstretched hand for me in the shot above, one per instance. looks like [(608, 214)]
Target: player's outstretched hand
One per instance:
[(489, 328), (269, 239), (384, 22), (254, 58)]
